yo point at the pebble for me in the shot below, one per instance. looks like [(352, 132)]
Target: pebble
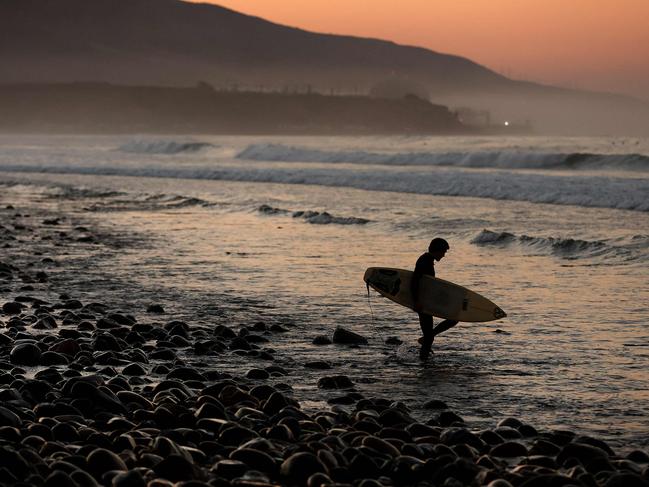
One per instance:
[(25, 354), (344, 336)]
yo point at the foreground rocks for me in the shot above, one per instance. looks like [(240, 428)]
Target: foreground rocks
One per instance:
[(97, 417)]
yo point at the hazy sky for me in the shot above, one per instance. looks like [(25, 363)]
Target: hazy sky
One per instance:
[(590, 44)]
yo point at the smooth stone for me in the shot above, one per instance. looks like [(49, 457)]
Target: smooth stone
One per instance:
[(509, 449), (236, 435), (319, 479), (155, 308), (100, 398), (9, 418), (510, 422), (134, 370), (101, 461), (255, 459), (448, 418), (458, 436), (508, 433), (322, 340), (67, 346), (239, 343), (582, 452), (491, 438), (587, 440), (275, 403), (499, 483), (625, 479), (297, 468), (544, 447), (435, 404), (10, 434), (65, 433), (25, 354), (318, 365), (257, 374), (132, 478), (381, 446), (54, 358), (58, 478), (262, 392), (279, 432), (347, 337), (229, 469), (548, 480), (186, 374), (638, 456), (107, 342), (211, 410), (528, 431), (12, 308), (394, 417), (175, 468), (335, 382)]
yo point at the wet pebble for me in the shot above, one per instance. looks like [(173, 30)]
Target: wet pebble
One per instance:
[(343, 336), (25, 354)]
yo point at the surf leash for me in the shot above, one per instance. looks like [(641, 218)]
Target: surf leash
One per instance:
[(373, 321)]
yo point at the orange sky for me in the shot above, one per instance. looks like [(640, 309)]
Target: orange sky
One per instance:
[(590, 44)]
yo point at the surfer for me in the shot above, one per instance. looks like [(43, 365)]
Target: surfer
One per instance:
[(426, 265)]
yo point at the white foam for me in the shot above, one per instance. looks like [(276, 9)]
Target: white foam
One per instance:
[(523, 159), (590, 191), (168, 147)]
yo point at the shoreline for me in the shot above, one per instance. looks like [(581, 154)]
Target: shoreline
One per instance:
[(91, 412)]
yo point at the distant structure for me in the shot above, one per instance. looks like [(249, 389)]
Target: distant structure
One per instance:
[(473, 117), (482, 121)]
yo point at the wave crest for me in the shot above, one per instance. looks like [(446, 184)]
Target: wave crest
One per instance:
[(479, 159), (568, 248), (314, 217), (169, 147)]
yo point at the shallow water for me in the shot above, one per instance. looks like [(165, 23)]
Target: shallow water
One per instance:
[(572, 353)]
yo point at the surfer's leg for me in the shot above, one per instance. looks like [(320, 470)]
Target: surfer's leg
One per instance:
[(426, 323), (443, 326)]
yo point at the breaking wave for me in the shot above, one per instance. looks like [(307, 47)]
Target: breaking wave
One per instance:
[(587, 190), (147, 203), (314, 217), (497, 159), (568, 248), (162, 147)]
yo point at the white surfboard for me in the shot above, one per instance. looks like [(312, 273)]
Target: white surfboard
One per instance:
[(437, 297)]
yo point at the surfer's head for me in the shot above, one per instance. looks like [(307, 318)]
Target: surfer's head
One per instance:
[(438, 247)]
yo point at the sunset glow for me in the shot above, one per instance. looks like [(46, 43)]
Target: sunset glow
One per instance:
[(582, 44)]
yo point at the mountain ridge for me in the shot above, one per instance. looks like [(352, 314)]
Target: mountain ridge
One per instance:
[(175, 43)]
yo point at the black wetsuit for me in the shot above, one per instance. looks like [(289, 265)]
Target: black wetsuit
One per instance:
[(426, 266)]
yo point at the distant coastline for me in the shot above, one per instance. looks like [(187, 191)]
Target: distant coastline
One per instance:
[(102, 108)]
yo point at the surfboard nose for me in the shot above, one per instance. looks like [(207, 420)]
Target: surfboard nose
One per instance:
[(499, 313), (368, 274)]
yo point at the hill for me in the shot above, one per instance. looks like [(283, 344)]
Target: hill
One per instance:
[(94, 108), (174, 43)]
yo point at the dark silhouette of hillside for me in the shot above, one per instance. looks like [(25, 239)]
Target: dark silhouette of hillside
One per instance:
[(105, 108), (169, 42), (173, 43)]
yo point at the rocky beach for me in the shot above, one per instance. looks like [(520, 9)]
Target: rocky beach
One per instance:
[(98, 390)]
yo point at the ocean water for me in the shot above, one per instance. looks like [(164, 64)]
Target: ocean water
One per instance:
[(234, 230)]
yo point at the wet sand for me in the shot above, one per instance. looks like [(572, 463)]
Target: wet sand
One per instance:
[(98, 394)]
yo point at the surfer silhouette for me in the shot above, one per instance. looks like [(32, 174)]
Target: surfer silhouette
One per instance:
[(426, 266)]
